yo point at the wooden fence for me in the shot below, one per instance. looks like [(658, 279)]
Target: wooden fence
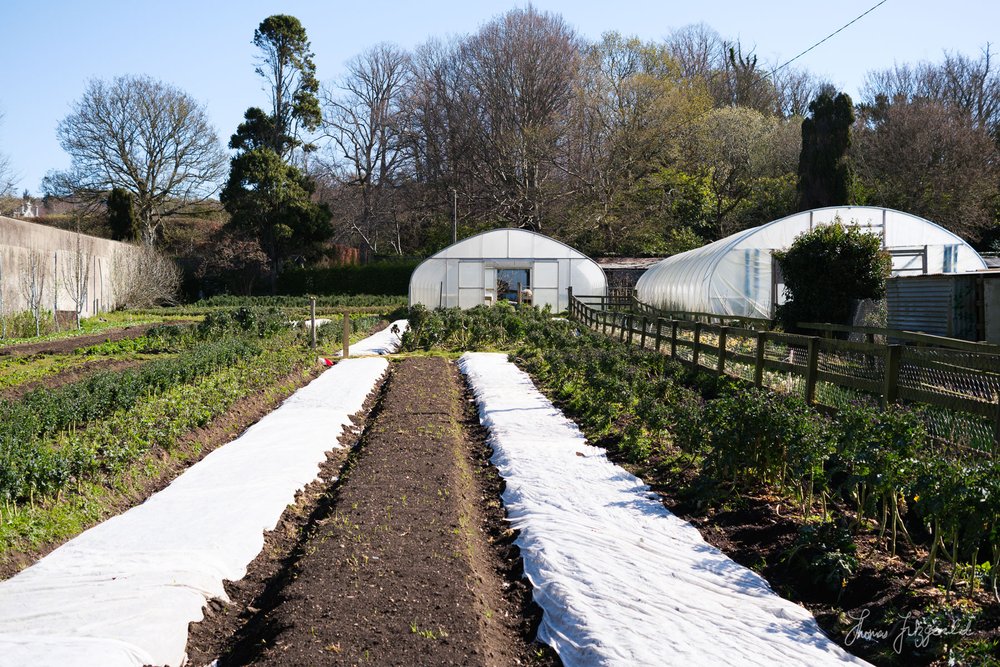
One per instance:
[(960, 386)]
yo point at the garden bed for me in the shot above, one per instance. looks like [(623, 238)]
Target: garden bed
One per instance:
[(405, 560)]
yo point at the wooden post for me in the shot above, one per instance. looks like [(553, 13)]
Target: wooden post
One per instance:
[(673, 338), (890, 383), (812, 359), (659, 332), (697, 341), (630, 321), (312, 317), (758, 368), (347, 334), (723, 331), (996, 423), (569, 301), (642, 338)]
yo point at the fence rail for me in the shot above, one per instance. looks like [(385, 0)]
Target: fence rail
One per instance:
[(960, 387)]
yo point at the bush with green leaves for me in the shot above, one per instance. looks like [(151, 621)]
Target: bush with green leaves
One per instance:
[(825, 554), (829, 268)]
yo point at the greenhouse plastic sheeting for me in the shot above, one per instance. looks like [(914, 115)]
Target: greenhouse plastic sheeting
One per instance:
[(465, 274), (386, 341), (124, 592), (620, 579), (733, 276)]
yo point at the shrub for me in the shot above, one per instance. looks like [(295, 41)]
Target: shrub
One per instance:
[(827, 270)]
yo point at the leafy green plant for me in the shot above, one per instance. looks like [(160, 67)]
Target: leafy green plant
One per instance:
[(825, 554)]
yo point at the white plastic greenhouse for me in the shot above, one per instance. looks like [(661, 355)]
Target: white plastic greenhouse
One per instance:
[(500, 265), (738, 276)]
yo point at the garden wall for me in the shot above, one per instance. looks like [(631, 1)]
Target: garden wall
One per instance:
[(56, 252)]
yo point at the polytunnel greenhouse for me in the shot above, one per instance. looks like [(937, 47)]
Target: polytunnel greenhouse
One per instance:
[(738, 276), (505, 265)]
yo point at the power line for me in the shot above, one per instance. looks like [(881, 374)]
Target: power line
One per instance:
[(840, 29)]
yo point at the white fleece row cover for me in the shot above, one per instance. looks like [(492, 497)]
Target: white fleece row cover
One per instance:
[(386, 341), (123, 592), (620, 579)]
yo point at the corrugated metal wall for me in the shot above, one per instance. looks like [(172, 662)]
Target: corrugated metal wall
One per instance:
[(943, 305)]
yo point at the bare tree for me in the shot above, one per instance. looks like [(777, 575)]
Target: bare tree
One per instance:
[(146, 137), (968, 85), (365, 116), (33, 286), (3, 310), (516, 81), (7, 176), (795, 89), (698, 50), (76, 275), (143, 278), (928, 158)]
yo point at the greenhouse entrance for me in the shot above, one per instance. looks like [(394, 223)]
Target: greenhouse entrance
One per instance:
[(510, 282)]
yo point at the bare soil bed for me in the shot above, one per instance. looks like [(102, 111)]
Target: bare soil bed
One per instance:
[(405, 560), (67, 345)]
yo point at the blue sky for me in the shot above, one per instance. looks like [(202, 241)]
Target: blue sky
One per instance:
[(50, 48)]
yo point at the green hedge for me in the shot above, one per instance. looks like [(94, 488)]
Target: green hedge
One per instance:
[(380, 278)]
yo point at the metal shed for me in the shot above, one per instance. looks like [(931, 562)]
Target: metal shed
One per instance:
[(738, 276), (498, 264)]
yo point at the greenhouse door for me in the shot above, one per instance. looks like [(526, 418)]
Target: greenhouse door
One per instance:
[(509, 281)]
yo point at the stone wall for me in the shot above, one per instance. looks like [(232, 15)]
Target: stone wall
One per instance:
[(56, 251)]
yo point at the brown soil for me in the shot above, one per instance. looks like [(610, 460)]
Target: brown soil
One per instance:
[(136, 488), (67, 345), (406, 560), (70, 375)]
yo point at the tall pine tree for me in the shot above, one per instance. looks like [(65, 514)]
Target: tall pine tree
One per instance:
[(267, 194)]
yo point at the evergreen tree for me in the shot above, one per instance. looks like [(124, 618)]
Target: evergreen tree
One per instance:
[(266, 193), (824, 173), (121, 215)]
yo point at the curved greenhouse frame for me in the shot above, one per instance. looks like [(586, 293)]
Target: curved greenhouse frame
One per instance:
[(738, 276), (498, 264)]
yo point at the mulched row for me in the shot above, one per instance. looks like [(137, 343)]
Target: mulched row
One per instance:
[(406, 560)]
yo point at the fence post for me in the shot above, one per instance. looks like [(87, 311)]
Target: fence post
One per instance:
[(642, 338), (347, 334), (722, 350), (630, 323), (312, 318), (996, 423), (673, 338), (572, 306), (697, 342), (659, 332), (812, 359), (890, 383), (758, 368)]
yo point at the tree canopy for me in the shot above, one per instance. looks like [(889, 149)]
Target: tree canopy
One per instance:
[(142, 136), (266, 194), (824, 171)]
